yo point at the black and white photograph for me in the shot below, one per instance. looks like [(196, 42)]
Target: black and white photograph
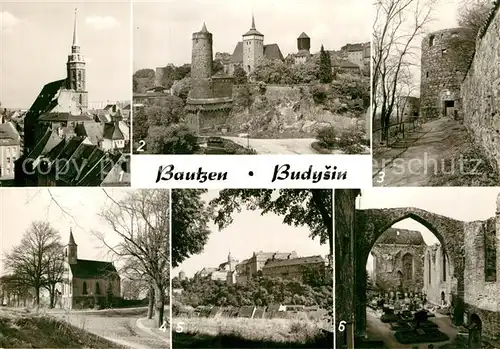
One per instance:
[(252, 77), (65, 93), (252, 268), (417, 268), (435, 93), (84, 268)]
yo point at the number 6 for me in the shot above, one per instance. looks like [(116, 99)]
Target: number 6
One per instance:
[(342, 326)]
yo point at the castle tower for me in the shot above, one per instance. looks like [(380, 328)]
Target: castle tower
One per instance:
[(253, 48), (71, 250), (446, 56), (201, 64), (303, 42), (75, 68)]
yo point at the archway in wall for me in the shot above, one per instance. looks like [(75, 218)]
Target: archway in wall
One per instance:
[(441, 231)]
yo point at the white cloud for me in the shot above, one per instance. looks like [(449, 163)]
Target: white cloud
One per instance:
[(8, 21), (102, 22)]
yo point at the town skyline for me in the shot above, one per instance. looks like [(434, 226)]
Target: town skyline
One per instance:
[(235, 239), (104, 35), (159, 27)]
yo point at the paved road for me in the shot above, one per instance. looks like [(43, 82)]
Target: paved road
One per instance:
[(115, 326), (426, 157), (277, 146)]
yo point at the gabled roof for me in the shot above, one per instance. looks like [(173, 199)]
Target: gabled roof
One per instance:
[(112, 131), (237, 56), (86, 269), (272, 51), (49, 140), (64, 116), (9, 135), (46, 100), (93, 131)]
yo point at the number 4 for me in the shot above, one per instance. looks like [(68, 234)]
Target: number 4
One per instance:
[(163, 327)]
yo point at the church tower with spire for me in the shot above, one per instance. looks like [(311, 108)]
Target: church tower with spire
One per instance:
[(75, 68), (71, 250), (253, 48)]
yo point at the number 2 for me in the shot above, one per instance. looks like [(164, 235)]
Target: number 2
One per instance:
[(141, 145)]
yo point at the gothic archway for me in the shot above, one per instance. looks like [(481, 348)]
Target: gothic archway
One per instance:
[(370, 224)]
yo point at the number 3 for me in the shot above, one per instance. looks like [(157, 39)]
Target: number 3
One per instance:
[(381, 177)]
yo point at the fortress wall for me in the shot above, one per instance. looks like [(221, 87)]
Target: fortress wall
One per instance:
[(446, 55), (481, 91), (481, 296)]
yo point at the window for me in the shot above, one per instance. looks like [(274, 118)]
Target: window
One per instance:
[(431, 41), (84, 288), (444, 266), (443, 51), (429, 266), (427, 74), (97, 288), (408, 267), (8, 160)]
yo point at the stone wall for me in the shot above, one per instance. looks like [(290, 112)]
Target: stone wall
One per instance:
[(389, 263), (438, 275), (481, 296), (481, 92), (446, 55)]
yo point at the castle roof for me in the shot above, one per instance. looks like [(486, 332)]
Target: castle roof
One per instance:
[(344, 63), (71, 238), (401, 237), (303, 36), (294, 261), (271, 51), (252, 30), (87, 269)]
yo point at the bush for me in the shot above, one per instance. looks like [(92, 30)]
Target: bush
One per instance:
[(319, 94), (349, 140)]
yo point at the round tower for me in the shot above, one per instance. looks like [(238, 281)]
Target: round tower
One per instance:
[(253, 48), (201, 61), (303, 42), (446, 56)]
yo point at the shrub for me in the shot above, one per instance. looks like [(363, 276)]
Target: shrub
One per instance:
[(319, 94), (349, 140)]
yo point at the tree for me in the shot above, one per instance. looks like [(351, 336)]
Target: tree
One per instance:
[(239, 75), (174, 139), (396, 26), (142, 221), (165, 111), (181, 88), (272, 71), (190, 218), (474, 13), (54, 269), (140, 125), (325, 66), (29, 260), (299, 207)]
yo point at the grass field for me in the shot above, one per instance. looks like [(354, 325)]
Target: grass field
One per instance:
[(18, 330), (198, 332)]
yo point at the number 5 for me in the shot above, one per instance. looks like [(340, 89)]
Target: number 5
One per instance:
[(342, 326), (179, 328)]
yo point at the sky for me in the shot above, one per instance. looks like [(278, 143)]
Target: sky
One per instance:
[(465, 204), (36, 37), (249, 232), (163, 31), (63, 208), (444, 15)]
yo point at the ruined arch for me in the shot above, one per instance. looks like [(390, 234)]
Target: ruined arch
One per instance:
[(372, 223)]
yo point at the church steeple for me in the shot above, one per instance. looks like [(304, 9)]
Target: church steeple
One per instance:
[(253, 22), (71, 251), (75, 38), (76, 65)]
